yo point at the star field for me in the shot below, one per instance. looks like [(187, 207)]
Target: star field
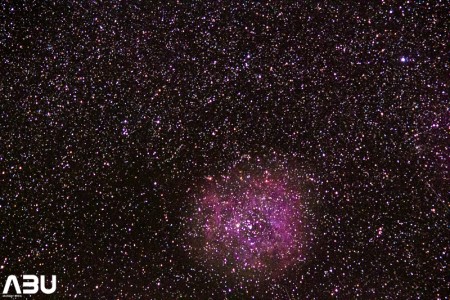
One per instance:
[(226, 149)]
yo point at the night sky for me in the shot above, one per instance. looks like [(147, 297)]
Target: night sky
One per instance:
[(226, 149)]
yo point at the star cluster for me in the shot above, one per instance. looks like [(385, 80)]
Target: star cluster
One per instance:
[(226, 149)]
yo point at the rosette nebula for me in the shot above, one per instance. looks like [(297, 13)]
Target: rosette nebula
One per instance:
[(248, 224)]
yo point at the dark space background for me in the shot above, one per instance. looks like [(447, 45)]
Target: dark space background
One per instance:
[(113, 113)]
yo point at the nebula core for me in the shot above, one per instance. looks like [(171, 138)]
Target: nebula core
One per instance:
[(250, 223)]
